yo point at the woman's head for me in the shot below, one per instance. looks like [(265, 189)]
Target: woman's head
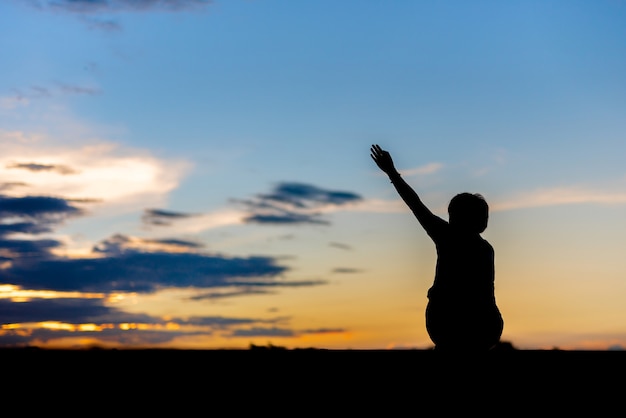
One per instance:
[(469, 211)]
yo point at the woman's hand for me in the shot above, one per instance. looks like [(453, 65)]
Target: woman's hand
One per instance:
[(382, 159)]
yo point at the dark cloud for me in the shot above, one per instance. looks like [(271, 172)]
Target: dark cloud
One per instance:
[(284, 217), (294, 203), (95, 6), (162, 217), (16, 249), (137, 271), (62, 310), (37, 207), (61, 169), (31, 215), (116, 244), (301, 195), (23, 228)]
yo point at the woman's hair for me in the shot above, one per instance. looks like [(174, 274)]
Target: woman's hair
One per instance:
[(469, 211)]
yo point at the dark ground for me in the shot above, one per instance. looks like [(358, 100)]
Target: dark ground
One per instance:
[(312, 382)]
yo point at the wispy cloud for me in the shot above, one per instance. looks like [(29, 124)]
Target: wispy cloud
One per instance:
[(97, 14), (344, 270), (200, 222), (340, 245), (105, 25), (229, 294), (95, 6), (24, 96), (566, 195), (423, 170), (549, 196)]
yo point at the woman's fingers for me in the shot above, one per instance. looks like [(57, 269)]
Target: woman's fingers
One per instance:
[(376, 150)]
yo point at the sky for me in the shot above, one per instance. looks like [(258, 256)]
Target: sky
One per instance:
[(196, 174)]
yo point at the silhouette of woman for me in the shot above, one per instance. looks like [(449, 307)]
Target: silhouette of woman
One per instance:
[(461, 313)]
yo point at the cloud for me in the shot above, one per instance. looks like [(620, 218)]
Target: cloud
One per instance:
[(43, 208), (60, 298), (42, 320), (286, 218), (94, 13), (12, 102), (248, 287), (119, 243), (264, 332), (287, 204), (119, 179), (81, 90), (11, 185), (340, 245), (229, 294), (74, 320), (324, 331), (429, 168), (61, 310), (31, 215), (195, 223), (162, 217), (543, 197), (97, 6), (23, 97), (43, 167), (346, 270), (283, 332), (11, 249), (105, 25), (138, 271), (568, 195), (295, 203)]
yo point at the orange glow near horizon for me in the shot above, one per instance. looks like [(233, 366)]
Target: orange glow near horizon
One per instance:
[(18, 294)]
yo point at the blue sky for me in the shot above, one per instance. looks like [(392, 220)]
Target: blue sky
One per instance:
[(196, 174)]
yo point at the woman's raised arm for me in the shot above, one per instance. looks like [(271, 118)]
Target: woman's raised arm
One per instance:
[(429, 221)]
